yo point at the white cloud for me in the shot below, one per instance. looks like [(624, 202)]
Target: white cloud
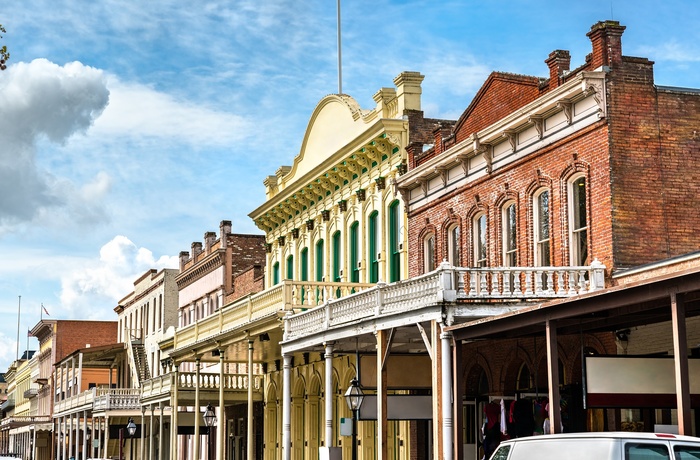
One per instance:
[(91, 290), (138, 111), (41, 100), (670, 51)]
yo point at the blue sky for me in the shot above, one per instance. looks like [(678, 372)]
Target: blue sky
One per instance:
[(128, 129)]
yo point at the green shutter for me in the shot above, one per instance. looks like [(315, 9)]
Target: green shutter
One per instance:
[(394, 255), (373, 261), (354, 245)]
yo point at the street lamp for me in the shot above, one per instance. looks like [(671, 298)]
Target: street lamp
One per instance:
[(354, 397), (209, 421), (131, 429)]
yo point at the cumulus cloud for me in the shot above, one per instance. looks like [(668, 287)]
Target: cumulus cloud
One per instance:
[(139, 111), (103, 282), (41, 100)]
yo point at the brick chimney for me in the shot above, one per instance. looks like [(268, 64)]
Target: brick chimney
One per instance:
[(558, 62), (224, 230), (184, 256), (196, 250), (439, 134), (209, 238), (606, 39)]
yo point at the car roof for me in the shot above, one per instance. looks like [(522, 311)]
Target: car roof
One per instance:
[(609, 435)]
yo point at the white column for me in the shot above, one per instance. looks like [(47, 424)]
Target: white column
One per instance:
[(142, 445), (286, 408), (328, 392), (151, 444), (251, 450), (447, 422), (173, 414), (85, 441), (161, 405), (106, 452), (221, 426), (70, 436), (553, 375), (197, 410)]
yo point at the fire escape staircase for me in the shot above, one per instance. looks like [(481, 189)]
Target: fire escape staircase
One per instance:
[(138, 361)]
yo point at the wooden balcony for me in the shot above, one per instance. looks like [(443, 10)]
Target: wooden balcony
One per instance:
[(107, 399), (447, 284), (284, 297), (161, 388)]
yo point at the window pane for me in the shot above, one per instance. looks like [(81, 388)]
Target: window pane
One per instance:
[(454, 246), (579, 192), (510, 228), (480, 243), (635, 451), (429, 254), (687, 452), (543, 215)]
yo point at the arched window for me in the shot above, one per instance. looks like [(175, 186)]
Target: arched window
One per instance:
[(578, 222), (355, 252), (524, 378), (510, 235), (394, 242), (276, 273), (290, 268), (541, 228), (319, 260), (453, 245), (336, 257), (480, 248), (373, 247), (429, 253)]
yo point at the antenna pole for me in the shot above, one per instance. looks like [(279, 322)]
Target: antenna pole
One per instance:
[(19, 313)]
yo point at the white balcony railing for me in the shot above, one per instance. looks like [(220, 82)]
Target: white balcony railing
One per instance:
[(163, 384), (116, 399), (447, 283)]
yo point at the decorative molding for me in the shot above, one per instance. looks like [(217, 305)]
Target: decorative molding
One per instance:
[(538, 121), (343, 205), (325, 215), (568, 108), (295, 233), (310, 224), (596, 87), (512, 136), (381, 183), (361, 195)]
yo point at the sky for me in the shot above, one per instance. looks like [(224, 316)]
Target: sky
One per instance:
[(128, 129)]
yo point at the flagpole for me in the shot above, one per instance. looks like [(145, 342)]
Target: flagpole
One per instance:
[(340, 66), (19, 313)]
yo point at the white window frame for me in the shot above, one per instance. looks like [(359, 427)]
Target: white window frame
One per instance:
[(508, 252), (429, 253), (539, 241), (453, 246), (574, 231), (480, 234)]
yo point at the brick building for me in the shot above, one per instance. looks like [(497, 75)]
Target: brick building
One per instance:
[(592, 164)]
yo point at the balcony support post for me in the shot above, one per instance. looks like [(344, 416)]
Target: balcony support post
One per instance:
[(174, 413), (328, 393), (286, 408), (151, 444), (161, 406), (197, 410), (221, 428), (250, 446), (85, 444), (106, 450)]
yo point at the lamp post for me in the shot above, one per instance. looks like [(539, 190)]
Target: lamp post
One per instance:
[(131, 429), (209, 421), (354, 397)]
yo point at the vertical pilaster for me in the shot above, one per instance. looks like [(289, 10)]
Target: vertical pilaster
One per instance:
[(286, 408), (197, 410), (328, 392), (251, 446)]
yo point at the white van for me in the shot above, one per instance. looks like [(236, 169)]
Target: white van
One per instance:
[(600, 446)]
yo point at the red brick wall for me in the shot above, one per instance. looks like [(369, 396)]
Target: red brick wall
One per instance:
[(655, 159), (73, 335), (501, 94), (551, 167), (248, 282), (246, 250)]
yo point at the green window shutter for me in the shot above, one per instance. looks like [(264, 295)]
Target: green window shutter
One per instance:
[(373, 261), (354, 247), (276, 273), (319, 260), (394, 255), (336, 257)]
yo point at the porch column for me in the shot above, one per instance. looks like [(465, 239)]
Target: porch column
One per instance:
[(143, 433), (85, 440), (382, 426), (286, 408), (106, 446), (95, 435), (328, 392), (221, 428), (197, 412), (250, 446), (680, 358), (553, 377), (447, 422), (173, 414), (70, 436), (151, 444), (161, 405)]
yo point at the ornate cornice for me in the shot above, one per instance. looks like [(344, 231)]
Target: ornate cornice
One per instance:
[(202, 268)]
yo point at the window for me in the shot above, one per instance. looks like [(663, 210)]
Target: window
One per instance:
[(524, 378), (319, 260), (394, 242), (290, 268), (480, 250), (373, 247), (638, 451), (276, 273), (453, 242), (304, 275), (336, 257), (510, 235), (429, 253), (354, 253), (541, 224), (578, 222)]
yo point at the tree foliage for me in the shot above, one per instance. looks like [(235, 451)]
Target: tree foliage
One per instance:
[(4, 55)]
